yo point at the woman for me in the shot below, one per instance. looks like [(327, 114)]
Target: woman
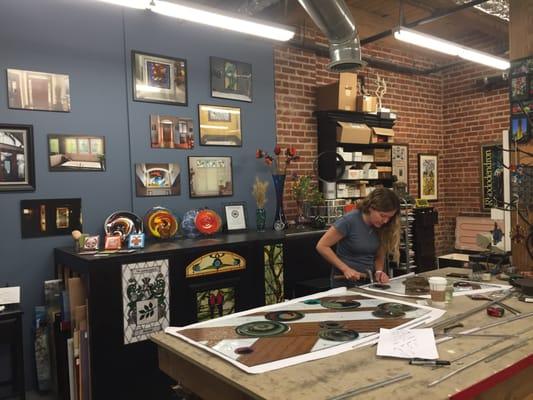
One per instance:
[(363, 238)]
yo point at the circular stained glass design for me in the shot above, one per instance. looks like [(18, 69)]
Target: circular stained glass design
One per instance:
[(261, 328), (123, 223), (380, 313), (340, 303), (284, 315), (331, 324), (207, 222), (395, 307), (188, 225), (161, 223), (338, 335)]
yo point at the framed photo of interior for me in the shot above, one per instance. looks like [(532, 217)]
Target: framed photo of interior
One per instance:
[(235, 214), (157, 179), (210, 177), (400, 162), (220, 125), (17, 166), (427, 176), (76, 153), (231, 79), (159, 79), (33, 90), (170, 132)]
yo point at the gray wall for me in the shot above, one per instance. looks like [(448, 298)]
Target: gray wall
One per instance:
[(92, 43)]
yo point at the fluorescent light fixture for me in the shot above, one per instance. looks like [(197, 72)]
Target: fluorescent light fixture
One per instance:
[(450, 48), (211, 16)]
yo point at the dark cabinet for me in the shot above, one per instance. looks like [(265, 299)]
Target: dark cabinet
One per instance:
[(424, 238)]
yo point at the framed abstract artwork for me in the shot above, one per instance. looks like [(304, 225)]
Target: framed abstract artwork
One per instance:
[(427, 176), (17, 170), (231, 79), (33, 90), (220, 125), (210, 177), (49, 217), (159, 79)]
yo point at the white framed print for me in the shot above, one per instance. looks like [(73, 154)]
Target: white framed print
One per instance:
[(235, 214)]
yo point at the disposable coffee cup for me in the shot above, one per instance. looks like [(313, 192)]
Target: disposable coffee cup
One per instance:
[(437, 290)]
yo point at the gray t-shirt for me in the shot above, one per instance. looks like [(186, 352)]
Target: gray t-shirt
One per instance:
[(360, 243)]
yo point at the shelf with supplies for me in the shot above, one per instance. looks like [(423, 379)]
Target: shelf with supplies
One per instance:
[(362, 145)]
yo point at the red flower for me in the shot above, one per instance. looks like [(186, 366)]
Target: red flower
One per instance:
[(277, 150), (259, 153), (292, 151)]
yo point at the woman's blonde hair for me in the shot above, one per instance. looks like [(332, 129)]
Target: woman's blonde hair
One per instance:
[(385, 200)]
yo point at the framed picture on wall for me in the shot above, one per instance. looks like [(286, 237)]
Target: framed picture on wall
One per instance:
[(220, 125), (159, 79), (427, 176), (235, 214), (491, 176), (170, 132), (17, 170), (76, 153), (32, 90), (400, 162), (210, 177), (231, 79), (49, 217), (157, 179)]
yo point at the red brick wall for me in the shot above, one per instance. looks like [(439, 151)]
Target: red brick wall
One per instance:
[(434, 113)]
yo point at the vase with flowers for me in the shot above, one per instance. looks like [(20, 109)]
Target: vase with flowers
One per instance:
[(259, 189), (279, 163)]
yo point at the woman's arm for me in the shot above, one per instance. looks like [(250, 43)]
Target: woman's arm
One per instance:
[(379, 264), (324, 248)]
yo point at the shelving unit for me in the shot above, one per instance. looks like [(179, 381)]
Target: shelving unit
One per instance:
[(327, 142), (407, 252)]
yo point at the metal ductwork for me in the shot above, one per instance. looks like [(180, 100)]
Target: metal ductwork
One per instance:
[(335, 20)]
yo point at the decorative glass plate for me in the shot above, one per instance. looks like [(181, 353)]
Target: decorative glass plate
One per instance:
[(161, 223), (123, 223), (208, 222)]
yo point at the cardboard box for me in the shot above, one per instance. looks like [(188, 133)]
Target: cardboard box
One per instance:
[(352, 174), (348, 132), (367, 158), (338, 96), (370, 174), (367, 104), (382, 135), (382, 155)]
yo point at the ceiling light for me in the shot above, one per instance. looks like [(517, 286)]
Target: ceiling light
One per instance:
[(450, 48), (212, 17)]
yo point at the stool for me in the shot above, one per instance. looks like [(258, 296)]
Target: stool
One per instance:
[(310, 286), (11, 335)]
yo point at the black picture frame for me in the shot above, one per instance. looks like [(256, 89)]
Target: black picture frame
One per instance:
[(230, 79), (89, 154), (201, 179), (235, 223), (165, 76), (219, 125), (50, 217), (16, 142)]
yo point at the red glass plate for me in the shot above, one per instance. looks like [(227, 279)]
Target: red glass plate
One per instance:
[(208, 222)]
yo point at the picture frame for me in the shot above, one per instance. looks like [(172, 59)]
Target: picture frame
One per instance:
[(220, 125), (157, 179), (520, 129), (235, 215), (34, 90), (210, 176), (171, 132), (230, 79), (50, 217), (76, 153), (428, 176), (17, 164), (91, 243), (159, 79), (400, 163), (491, 176)]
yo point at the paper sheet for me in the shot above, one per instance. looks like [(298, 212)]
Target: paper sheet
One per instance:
[(407, 343), (10, 295)]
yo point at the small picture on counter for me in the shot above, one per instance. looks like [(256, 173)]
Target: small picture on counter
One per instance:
[(136, 241), (113, 242), (90, 243)]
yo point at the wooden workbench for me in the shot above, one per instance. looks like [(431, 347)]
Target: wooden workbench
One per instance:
[(212, 378)]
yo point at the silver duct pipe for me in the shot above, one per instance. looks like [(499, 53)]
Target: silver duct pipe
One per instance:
[(335, 20)]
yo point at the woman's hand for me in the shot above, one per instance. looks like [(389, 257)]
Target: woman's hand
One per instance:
[(351, 275), (381, 277)]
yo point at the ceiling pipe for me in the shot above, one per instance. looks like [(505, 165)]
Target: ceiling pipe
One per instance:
[(433, 17), (335, 20)]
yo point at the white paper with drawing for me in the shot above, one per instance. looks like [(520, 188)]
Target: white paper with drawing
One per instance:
[(407, 343)]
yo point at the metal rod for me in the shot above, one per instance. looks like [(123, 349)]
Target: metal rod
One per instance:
[(477, 335), (506, 350), (372, 386), (509, 308)]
